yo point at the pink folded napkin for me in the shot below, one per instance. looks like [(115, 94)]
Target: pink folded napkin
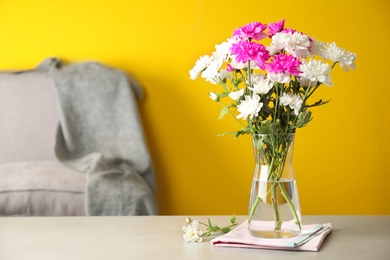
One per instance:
[(310, 240)]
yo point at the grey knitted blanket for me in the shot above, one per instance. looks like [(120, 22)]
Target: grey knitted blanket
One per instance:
[(100, 134)]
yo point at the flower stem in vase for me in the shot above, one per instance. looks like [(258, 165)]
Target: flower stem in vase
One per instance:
[(292, 207), (274, 201)]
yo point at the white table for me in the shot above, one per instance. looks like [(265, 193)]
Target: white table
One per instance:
[(160, 237)]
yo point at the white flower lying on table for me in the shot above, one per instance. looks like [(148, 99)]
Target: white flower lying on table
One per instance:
[(194, 234)]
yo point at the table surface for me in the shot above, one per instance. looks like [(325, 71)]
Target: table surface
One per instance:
[(161, 237)]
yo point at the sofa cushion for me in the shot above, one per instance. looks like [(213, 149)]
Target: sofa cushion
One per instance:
[(41, 188), (28, 117)]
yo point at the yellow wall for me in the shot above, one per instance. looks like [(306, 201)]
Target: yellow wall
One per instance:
[(341, 158)]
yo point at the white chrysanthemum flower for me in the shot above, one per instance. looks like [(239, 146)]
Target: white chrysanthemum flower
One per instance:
[(211, 73), (261, 84), (234, 39), (315, 70), (332, 52), (222, 51), (236, 95), (250, 107), (304, 82), (214, 96), (296, 44), (279, 77), (317, 48), (278, 42), (347, 60), (224, 74), (337, 54), (239, 65), (294, 101), (192, 234), (200, 65)]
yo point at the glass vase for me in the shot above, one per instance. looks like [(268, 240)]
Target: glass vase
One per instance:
[(274, 208)]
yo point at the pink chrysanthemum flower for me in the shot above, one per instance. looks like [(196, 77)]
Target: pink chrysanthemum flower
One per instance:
[(229, 68), (275, 28), (289, 30), (284, 63), (254, 51), (253, 30)]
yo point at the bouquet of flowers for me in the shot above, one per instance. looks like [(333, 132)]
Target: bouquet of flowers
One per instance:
[(267, 74), (270, 86)]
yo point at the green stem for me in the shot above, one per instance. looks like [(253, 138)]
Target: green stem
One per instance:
[(275, 206), (274, 188), (311, 93), (249, 78), (253, 208), (291, 205), (215, 230), (276, 102), (282, 188), (288, 119), (224, 87)]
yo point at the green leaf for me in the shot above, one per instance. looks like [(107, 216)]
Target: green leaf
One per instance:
[(224, 111), (233, 219), (224, 94), (238, 133), (237, 82), (226, 133), (304, 118), (225, 230), (318, 103), (242, 131)]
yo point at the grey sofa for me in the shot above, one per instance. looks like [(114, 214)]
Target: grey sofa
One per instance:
[(34, 182)]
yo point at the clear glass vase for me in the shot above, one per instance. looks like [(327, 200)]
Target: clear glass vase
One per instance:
[(274, 208)]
